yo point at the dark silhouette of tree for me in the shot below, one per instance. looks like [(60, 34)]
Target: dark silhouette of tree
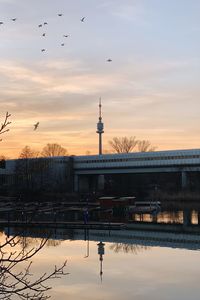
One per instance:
[(25, 167), (4, 124), (16, 279), (31, 171), (2, 161), (128, 248), (123, 144), (145, 146), (27, 152), (51, 150)]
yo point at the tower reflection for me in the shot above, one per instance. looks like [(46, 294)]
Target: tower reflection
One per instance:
[(101, 252)]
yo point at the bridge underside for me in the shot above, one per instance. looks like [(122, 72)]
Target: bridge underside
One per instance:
[(138, 181)]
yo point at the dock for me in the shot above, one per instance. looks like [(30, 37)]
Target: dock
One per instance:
[(63, 224)]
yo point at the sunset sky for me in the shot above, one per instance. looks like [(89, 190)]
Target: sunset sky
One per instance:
[(150, 89)]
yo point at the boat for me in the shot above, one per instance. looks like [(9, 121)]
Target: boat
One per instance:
[(129, 204), (143, 207), (110, 202)]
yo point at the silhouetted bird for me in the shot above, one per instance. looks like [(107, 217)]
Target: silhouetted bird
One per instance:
[(60, 15), (45, 23), (44, 34), (36, 125), (82, 19), (66, 35), (43, 50), (109, 60), (40, 25), (62, 44), (1, 23), (14, 19)]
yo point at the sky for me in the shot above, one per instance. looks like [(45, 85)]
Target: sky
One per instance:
[(150, 89)]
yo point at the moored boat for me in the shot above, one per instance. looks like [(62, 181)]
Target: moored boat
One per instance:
[(144, 207)]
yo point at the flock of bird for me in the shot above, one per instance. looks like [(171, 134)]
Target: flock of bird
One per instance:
[(62, 44), (35, 126), (44, 34), (65, 35)]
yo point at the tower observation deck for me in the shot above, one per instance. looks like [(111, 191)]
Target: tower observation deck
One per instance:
[(100, 127)]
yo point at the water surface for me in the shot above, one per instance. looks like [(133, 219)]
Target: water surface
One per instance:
[(142, 269)]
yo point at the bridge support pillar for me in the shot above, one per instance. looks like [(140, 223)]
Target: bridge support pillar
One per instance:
[(83, 184), (76, 183), (187, 217), (184, 180), (101, 182)]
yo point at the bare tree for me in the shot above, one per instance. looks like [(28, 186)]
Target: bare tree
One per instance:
[(145, 146), (51, 150), (4, 124), (2, 161), (123, 144), (18, 282), (27, 152), (25, 166)]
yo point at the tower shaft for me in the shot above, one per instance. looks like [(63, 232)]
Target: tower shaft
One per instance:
[(100, 127)]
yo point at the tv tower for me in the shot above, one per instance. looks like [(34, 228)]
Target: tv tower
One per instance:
[(100, 128)]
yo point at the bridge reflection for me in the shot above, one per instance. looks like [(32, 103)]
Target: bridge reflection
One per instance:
[(140, 235)]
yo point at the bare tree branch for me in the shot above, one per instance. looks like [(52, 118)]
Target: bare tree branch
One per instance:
[(145, 146), (123, 144), (4, 124), (51, 150), (14, 283)]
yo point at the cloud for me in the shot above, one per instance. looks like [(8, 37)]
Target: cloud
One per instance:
[(129, 10), (63, 96)]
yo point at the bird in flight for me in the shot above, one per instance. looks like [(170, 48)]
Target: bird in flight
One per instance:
[(62, 44), (66, 35), (82, 19), (45, 23), (109, 60), (43, 50), (36, 125), (1, 23), (44, 34), (40, 25), (60, 15), (14, 19)]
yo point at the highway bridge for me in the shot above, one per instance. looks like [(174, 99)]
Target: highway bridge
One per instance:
[(182, 162)]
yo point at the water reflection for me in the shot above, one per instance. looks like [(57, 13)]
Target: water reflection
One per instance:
[(87, 239), (184, 216), (128, 248), (170, 217), (101, 252), (134, 264)]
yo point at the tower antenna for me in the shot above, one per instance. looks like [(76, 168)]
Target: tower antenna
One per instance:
[(100, 109), (100, 127)]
